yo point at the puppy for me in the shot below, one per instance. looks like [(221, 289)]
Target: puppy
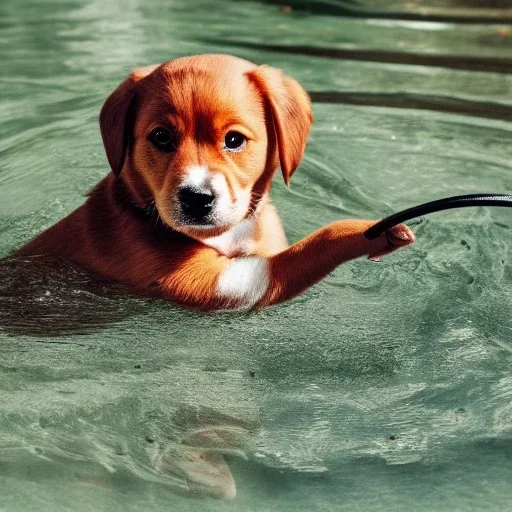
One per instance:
[(185, 214)]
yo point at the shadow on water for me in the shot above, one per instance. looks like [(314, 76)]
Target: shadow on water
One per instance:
[(459, 62), (43, 297), (445, 104), (461, 11)]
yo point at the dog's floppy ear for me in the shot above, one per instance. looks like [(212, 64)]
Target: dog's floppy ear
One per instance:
[(116, 117), (290, 107)]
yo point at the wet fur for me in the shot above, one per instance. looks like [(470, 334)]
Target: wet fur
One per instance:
[(128, 229)]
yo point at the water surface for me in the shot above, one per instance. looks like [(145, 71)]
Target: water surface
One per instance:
[(385, 387)]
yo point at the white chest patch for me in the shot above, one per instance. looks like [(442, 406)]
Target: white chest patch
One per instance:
[(245, 280), (238, 240)]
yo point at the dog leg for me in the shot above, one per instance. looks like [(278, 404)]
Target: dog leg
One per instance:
[(311, 259), (208, 280)]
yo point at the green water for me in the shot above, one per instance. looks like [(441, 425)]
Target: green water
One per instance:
[(385, 387)]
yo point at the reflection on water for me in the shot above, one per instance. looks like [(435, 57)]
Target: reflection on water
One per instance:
[(384, 384)]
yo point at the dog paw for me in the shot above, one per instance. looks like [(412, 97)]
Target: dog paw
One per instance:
[(398, 236), (392, 239)]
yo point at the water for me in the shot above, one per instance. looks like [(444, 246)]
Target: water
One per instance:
[(385, 387)]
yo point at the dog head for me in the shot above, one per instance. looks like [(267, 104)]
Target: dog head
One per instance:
[(200, 137)]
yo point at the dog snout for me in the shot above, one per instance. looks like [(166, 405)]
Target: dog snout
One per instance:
[(196, 204)]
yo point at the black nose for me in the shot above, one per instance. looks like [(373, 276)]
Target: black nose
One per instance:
[(195, 205)]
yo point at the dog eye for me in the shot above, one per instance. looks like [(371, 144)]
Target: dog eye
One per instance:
[(234, 141), (162, 139)]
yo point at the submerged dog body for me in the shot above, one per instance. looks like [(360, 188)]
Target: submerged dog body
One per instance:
[(193, 145)]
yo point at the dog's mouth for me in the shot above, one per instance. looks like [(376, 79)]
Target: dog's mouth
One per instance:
[(187, 221), (201, 215), (184, 221), (203, 204)]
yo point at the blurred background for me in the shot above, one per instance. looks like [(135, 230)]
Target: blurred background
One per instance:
[(385, 387)]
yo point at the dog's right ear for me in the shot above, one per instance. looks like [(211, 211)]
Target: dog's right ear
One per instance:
[(291, 114), (116, 118)]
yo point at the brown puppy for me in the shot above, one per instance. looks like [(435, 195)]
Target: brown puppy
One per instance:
[(193, 144)]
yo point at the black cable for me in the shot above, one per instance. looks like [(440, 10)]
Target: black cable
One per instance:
[(437, 206)]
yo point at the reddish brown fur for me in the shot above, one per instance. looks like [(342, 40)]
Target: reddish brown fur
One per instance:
[(201, 97)]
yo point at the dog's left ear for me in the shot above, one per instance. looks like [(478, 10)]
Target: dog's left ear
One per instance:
[(116, 117), (290, 107)]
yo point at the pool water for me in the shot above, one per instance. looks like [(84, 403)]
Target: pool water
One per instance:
[(385, 387)]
